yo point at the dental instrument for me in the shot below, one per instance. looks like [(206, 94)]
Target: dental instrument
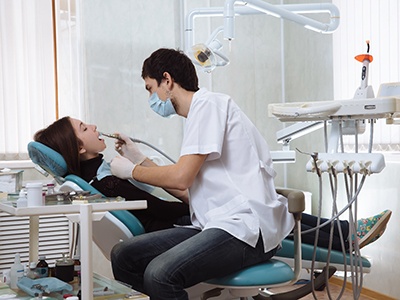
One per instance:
[(361, 163), (365, 90), (116, 136), (110, 135)]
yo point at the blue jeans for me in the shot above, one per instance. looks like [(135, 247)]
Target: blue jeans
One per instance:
[(310, 222), (163, 263)]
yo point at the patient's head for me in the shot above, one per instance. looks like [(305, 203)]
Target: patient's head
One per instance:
[(73, 139)]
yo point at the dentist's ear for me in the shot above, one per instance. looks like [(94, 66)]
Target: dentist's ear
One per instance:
[(167, 77)]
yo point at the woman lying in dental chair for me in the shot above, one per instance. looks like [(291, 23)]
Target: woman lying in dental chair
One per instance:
[(81, 146)]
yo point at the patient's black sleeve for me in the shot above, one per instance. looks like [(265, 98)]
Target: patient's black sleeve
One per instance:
[(160, 214)]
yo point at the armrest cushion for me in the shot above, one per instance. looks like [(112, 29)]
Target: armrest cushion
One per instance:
[(295, 198)]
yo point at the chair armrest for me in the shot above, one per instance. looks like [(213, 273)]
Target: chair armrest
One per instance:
[(296, 200), (296, 205)]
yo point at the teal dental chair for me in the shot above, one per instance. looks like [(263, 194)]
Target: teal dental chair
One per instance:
[(284, 269), (117, 226)]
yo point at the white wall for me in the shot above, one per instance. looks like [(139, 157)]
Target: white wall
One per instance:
[(118, 36)]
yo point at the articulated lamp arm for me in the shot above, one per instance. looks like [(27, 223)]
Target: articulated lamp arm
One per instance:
[(234, 8)]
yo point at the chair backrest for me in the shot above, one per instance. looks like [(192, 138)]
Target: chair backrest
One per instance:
[(48, 160), (114, 227)]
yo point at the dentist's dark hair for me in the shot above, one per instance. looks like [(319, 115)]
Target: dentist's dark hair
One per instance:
[(61, 137), (176, 63)]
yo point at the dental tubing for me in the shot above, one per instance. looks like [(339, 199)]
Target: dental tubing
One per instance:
[(116, 136)]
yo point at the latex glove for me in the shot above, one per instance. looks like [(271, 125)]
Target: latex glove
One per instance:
[(122, 167), (129, 149)]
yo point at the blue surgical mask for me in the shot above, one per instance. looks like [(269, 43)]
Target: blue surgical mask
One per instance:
[(163, 108)]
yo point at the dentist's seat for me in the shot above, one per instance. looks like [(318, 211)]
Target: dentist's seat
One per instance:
[(114, 227), (255, 280)]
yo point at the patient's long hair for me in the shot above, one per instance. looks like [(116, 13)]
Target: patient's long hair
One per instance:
[(61, 137)]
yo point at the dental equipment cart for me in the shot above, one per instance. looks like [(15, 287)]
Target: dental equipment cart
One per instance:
[(82, 213)]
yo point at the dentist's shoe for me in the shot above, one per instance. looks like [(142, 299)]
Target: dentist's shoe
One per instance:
[(372, 228)]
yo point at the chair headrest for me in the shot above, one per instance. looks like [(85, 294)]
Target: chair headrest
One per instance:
[(48, 159)]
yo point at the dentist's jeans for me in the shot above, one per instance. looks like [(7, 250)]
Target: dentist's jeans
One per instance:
[(163, 263)]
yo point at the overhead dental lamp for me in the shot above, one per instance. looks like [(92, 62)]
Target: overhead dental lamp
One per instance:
[(209, 55)]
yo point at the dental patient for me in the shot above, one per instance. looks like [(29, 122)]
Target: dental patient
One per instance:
[(81, 145)]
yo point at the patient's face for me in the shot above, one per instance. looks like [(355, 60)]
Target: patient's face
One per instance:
[(88, 134)]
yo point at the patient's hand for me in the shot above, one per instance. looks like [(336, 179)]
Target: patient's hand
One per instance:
[(129, 149)]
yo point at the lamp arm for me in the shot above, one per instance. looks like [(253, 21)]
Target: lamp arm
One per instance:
[(209, 12), (289, 12), (214, 34), (251, 7), (198, 12), (224, 61)]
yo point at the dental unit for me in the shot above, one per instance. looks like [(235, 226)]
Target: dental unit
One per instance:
[(346, 117)]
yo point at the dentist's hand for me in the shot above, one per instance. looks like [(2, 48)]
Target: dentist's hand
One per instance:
[(129, 149), (122, 167)]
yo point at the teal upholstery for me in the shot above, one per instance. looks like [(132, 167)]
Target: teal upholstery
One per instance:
[(48, 159), (128, 219), (258, 275), (83, 184), (336, 257)]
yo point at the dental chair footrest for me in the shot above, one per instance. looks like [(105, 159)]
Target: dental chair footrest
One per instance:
[(271, 272)]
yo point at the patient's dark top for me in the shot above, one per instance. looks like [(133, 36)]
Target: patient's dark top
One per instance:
[(160, 214)]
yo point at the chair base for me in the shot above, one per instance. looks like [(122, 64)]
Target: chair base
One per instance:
[(319, 282), (265, 294)]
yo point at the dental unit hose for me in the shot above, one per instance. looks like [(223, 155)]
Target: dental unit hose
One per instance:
[(115, 136)]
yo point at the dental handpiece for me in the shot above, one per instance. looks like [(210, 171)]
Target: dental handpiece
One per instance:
[(110, 135), (116, 136)]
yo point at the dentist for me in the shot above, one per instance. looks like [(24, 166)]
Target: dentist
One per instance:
[(237, 218)]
